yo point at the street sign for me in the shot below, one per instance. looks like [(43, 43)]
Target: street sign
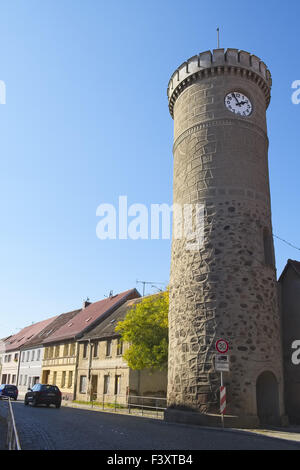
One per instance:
[(222, 362), (222, 400), (222, 346)]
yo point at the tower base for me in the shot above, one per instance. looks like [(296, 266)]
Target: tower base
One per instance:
[(173, 415)]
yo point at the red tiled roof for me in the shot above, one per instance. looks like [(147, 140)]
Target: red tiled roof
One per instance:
[(90, 316), (58, 322), (15, 342)]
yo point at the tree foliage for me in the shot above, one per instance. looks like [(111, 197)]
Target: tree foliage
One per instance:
[(145, 328)]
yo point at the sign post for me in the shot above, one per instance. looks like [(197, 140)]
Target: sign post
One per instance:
[(222, 365)]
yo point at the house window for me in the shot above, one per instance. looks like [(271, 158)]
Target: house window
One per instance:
[(66, 350), (38, 357), (13, 380), (32, 355), (27, 356), (23, 357), (21, 378), (85, 349), (54, 378), (70, 381), (25, 380), (51, 350), (95, 353), (7, 358), (108, 347), (56, 351), (119, 347), (16, 357), (82, 384), (106, 384), (72, 349), (117, 384), (63, 379)]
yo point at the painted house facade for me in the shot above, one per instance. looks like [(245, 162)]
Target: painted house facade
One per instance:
[(29, 369), (13, 345), (103, 375), (9, 369), (32, 353), (61, 353)]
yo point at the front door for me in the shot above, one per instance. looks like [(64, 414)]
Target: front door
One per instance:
[(46, 374), (267, 397), (94, 387)]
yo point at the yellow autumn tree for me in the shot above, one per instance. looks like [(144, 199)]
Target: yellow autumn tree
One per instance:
[(145, 328)]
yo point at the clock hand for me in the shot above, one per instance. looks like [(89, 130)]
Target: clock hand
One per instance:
[(236, 99)]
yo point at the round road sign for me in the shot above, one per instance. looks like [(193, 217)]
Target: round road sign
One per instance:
[(222, 346)]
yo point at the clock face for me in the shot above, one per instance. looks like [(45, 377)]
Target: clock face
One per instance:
[(238, 103)]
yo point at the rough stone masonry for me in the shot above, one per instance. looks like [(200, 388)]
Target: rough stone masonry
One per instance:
[(226, 289)]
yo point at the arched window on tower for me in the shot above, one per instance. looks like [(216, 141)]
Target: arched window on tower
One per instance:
[(268, 248)]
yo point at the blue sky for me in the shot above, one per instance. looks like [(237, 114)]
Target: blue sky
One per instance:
[(86, 120)]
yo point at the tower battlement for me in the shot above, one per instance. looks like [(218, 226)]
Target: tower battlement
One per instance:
[(231, 61)]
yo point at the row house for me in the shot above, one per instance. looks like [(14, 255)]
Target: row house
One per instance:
[(103, 375), (61, 354), (2, 351), (81, 353), (32, 353), (13, 345)]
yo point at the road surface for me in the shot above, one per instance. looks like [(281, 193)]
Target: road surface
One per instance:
[(69, 428)]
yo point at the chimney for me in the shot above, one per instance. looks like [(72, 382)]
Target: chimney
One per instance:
[(86, 303)]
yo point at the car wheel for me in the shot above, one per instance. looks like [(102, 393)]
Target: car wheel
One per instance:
[(25, 402), (57, 406)]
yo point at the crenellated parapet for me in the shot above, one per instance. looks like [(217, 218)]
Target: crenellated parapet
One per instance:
[(219, 61)]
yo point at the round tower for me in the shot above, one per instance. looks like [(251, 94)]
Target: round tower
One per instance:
[(227, 288)]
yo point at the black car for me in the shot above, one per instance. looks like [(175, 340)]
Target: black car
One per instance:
[(41, 394)]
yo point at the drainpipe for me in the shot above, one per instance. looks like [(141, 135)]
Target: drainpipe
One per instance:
[(76, 369), (139, 382), (89, 370), (18, 372)]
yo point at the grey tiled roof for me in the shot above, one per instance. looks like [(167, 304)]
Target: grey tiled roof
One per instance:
[(107, 328)]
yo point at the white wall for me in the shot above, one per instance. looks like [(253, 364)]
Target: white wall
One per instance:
[(10, 367), (30, 368)]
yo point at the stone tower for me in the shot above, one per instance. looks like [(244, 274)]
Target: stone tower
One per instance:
[(227, 288)]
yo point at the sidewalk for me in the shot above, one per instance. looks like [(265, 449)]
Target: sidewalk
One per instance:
[(290, 433), (124, 411)]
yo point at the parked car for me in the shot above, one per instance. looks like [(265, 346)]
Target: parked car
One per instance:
[(8, 391), (41, 394)]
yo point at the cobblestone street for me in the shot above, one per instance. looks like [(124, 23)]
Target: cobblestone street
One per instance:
[(70, 428)]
